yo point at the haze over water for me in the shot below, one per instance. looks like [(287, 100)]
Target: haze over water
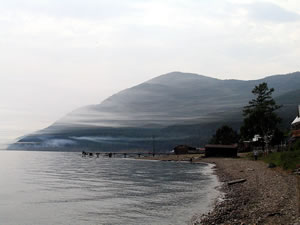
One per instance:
[(65, 188)]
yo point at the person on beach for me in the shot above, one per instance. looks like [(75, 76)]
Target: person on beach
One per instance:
[(255, 154)]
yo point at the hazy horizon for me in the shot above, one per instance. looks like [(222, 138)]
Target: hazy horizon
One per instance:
[(60, 55)]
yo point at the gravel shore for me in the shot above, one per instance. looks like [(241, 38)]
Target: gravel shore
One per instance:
[(268, 196)]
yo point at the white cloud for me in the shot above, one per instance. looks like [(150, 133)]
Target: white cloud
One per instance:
[(271, 12)]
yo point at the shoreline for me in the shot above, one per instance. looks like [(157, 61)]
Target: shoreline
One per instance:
[(218, 197), (268, 196)]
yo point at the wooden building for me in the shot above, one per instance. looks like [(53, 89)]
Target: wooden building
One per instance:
[(184, 149), (296, 126), (221, 150)]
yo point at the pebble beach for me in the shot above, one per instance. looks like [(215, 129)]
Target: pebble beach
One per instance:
[(268, 196)]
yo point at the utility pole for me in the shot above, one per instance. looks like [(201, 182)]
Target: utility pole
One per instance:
[(153, 145)]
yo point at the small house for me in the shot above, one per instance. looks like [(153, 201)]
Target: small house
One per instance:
[(221, 150), (184, 149)]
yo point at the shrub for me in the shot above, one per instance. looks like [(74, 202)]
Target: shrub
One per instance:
[(286, 160), (296, 146)]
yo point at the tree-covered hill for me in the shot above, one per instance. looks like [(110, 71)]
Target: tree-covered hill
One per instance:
[(175, 108)]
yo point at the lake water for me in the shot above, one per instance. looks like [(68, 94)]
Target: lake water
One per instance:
[(65, 188)]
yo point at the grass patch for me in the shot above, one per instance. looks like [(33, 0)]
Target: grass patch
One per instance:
[(286, 160)]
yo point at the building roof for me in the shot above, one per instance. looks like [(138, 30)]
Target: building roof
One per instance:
[(221, 146), (297, 120)]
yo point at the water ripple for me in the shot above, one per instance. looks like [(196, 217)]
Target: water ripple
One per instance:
[(100, 191)]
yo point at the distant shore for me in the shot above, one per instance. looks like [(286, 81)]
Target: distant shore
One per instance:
[(268, 196)]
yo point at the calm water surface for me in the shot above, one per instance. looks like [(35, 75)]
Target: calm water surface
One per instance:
[(63, 188)]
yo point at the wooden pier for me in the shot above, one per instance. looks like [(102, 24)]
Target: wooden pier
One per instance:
[(122, 154)]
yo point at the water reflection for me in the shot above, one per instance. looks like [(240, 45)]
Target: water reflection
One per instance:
[(64, 188)]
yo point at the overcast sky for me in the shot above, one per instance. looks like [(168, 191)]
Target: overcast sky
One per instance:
[(57, 55)]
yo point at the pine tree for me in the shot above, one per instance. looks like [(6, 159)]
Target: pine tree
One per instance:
[(259, 115)]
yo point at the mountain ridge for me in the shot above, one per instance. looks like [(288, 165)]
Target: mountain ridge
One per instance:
[(172, 99)]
